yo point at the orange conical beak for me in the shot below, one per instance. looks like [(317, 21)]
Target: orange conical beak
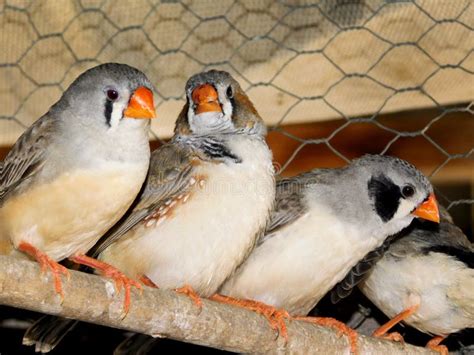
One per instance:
[(206, 99), (428, 210), (141, 104)]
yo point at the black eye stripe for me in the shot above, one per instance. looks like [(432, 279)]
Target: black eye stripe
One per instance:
[(109, 105)]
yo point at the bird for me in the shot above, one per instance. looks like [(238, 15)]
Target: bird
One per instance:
[(76, 170), (323, 223), (206, 200), (426, 280)]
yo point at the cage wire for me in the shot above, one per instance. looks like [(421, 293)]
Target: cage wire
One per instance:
[(400, 70)]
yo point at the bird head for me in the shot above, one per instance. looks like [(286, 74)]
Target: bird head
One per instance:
[(217, 104), (109, 96), (397, 191)]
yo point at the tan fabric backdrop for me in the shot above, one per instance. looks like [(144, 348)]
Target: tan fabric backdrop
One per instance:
[(299, 60)]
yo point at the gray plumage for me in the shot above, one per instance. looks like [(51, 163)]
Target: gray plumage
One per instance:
[(75, 142), (432, 266), (225, 150), (206, 200), (360, 271), (324, 222)]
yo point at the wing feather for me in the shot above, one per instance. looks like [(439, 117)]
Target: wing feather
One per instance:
[(170, 172)]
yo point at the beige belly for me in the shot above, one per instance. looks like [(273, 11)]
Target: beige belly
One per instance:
[(206, 238), (68, 215)]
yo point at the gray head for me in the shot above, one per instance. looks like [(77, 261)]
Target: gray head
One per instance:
[(107, 97), (380, 191), (395, 187), (215, 103)]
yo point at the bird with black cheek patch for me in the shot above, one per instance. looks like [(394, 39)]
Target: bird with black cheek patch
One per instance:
[(323, 223), (206, 200), (426, 280), (76, 171)]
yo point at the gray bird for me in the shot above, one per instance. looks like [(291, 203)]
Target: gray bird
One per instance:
[(77, 169), (426, 280), (323, 223), (206, 200)]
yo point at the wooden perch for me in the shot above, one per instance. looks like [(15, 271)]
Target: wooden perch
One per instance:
[(166, 314)]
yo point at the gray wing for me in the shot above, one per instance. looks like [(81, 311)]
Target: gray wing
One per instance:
[(360, 271), (169, 175), (289, 201), (26, 157), (419, 238)]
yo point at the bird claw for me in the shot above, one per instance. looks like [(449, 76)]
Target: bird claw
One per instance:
[(189, 291), (394, 336), (46, 263), (119, 278), (56, 270), (337, 325), (122, 281), (147, 282), (275, 317), (434, 345)]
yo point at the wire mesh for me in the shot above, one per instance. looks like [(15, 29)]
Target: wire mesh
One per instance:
[(333, 78)]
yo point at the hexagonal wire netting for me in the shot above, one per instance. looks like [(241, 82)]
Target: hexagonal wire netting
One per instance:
[(333, 78)]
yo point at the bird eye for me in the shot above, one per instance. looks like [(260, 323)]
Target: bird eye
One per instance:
[(112, 94), (230, 92), (408, 191)]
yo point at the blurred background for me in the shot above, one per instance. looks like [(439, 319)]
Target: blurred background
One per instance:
[(333, 79)]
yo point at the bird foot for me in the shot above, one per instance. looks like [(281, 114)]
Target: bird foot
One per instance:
[(381, 332), (147, 282), (335, 324), (189, 291), (433, 344), (47, 263), (276, 317), (394, 336), (119, 278)]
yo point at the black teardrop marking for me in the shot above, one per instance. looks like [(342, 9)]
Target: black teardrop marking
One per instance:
[(464, 256), (108, 111), (386, 196)]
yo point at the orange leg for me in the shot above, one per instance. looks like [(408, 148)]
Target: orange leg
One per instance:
[(276, 317), (382, 331), (109, 271), (433, 344), (147, 282), (335, 324), (188, 291), (46, 263)]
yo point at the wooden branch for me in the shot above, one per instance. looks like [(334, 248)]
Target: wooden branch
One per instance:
[(166, 314)]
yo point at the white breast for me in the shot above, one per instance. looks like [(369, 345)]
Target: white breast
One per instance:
[(206, 238), (396, 284), (70, 213), (301, 263)]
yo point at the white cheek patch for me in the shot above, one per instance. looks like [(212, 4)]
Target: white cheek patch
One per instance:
[(404, 209), (117, 110), (227, 108)]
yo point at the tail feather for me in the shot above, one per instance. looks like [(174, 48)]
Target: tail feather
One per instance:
[(137, 344), (47, 332)]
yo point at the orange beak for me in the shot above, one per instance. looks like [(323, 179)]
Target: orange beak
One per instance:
[(206, 99), (141, 104), (428, 210)]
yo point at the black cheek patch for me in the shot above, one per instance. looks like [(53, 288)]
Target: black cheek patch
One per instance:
[(108, 111), (386, 196)]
